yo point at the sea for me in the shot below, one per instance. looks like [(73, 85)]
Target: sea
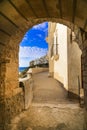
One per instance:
[(22, 69)]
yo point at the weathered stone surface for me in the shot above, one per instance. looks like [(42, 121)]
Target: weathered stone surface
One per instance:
[(84, 71), (50, 118), (28, 92), (13, 106)]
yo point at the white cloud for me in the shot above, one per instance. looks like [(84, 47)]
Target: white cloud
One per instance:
[(24, 62), (39, 35), (26, 54), (41, 26)]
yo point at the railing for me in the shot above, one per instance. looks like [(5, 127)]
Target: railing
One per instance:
[(27, 86)]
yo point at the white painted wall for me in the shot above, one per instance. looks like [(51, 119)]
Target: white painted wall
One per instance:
[(60, 66), (67, 67)]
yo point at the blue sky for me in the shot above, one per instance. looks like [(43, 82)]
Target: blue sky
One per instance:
[(34, 44)]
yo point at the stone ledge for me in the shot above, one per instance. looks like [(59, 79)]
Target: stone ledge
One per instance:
[(16, 91)]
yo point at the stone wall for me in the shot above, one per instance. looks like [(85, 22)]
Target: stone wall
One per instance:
[(11, 96), (82, 42), (38, 70), (2, 85), (13, 106), (74, 66), (84, 71)]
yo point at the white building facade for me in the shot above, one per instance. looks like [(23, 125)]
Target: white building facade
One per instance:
[(64, 57)]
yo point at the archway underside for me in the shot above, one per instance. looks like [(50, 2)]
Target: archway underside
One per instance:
[(21, 15)]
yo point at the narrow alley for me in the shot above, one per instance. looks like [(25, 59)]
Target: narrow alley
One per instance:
[(48, 90), (50, 109)]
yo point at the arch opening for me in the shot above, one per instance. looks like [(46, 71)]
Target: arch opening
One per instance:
[(14, 62), (56, 64), (67, 67)]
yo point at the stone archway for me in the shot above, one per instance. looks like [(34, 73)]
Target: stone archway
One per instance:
[(16, 17), (12, 92)]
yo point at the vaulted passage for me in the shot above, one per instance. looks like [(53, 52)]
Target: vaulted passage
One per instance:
[(16, 17)]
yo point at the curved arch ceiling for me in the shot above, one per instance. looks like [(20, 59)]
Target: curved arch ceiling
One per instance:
[(15, 14)]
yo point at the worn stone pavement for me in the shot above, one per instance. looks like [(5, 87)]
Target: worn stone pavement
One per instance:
[(48, 90), (50, 109)]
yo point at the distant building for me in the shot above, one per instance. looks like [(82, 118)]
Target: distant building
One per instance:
[(39, 61), (32, 63)]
